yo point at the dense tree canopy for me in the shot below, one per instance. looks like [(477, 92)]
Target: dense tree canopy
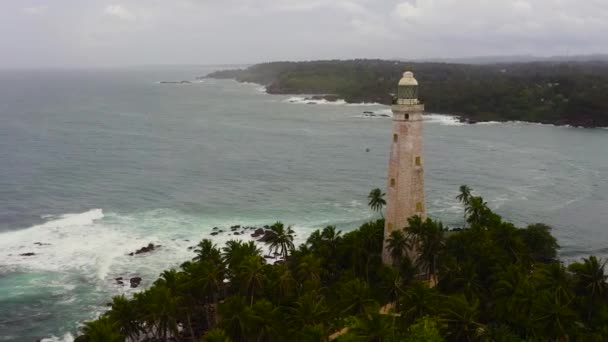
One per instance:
[(494, 282), (549, 92)]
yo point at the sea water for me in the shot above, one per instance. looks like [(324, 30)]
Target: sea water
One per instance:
[(95, 164)]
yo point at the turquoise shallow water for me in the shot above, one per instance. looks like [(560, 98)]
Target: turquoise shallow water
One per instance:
[(97, 163)]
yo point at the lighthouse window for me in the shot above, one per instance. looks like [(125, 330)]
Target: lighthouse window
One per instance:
[(418, 206), (407, 116), (418, 161), (395, 137), (393, 182)]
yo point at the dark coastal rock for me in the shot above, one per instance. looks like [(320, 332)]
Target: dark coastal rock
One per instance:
[(147, 249), (135, 281), (215, 228), (118, 279), (214, 233), (190, 248), (258, 232), (265, 237), (27, 254), (237, 233), (236, 226), (42, 244)]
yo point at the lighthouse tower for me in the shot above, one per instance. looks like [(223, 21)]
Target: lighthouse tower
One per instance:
[(405, 184)]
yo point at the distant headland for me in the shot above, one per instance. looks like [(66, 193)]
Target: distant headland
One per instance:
[(551, 92)]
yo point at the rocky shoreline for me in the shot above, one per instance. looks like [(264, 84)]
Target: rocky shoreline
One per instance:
[(461, 117), (133, 280), (552, 94)]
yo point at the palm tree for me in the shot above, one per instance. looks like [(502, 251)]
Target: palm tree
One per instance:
[(162, 311), (309, 270), (476, 209), (555, 278), (461, 277), (308, 310), (266, 316), (331, 237), (207, 250), (552, 316), (286, 283), (376, 200), (464, 197), (513, 296), (417, 301), (216, 335), (370, 239), (397, 245), (507, 237), (355, 297), (373, 327), (103, 329), (415, 230), (251, 274), (237, 317), (590, 282), (591, 276), (391, 284), (315, 241), (462, 318), (431, 243), (236, 251), (203, 286), (125, 314), (280, 238)]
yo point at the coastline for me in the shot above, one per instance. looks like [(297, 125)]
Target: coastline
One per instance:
[(548, 93), (321, 99)]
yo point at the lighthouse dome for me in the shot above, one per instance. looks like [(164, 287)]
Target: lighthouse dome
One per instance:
[(407, 91), (408, 79)]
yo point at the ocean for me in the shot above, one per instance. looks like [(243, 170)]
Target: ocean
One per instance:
[(95, 164)]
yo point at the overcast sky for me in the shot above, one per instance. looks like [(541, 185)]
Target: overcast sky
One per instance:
[(66, 33)]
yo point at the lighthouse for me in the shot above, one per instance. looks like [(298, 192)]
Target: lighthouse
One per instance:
[(405, 183)]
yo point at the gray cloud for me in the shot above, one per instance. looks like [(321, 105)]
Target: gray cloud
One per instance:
[(134, 32)]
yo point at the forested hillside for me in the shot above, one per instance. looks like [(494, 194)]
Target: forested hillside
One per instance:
[(494, 282), (558, 93)]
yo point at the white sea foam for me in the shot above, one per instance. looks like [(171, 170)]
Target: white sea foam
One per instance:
[(65, 338), (339, 102), (489, 123), (446, 120), (304, 100), (83, 253)]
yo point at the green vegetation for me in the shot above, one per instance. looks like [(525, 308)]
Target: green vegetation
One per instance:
[(494, 282), (558, 93)]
